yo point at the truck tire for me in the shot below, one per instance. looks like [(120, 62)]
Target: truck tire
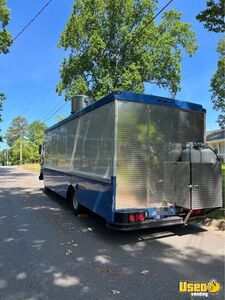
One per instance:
[(77, 208)]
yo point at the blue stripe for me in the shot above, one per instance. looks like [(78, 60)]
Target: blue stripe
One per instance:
[(160, 101), (94, 194), (134, 97)]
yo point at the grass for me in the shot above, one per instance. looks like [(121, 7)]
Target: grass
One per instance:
[(220, 213), (32, 167), (223, 184)]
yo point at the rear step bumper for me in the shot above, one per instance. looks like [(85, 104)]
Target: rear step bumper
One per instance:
[(170, 221)]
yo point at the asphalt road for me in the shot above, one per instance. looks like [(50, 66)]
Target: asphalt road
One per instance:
[(48, 253)]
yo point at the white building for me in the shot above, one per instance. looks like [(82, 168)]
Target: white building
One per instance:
[(216, 140)]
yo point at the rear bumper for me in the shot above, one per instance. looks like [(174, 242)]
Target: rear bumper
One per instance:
[(170, 221)]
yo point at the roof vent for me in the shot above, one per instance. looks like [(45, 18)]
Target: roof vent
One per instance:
[(79, 102)]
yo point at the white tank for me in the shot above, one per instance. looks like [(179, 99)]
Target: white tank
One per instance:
[(174, 155), (192, 155), (208, 156)]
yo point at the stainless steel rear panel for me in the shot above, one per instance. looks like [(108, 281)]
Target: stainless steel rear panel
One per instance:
[(176, 183), (147, 135), (132, 160), (207, 185), (182, 179)]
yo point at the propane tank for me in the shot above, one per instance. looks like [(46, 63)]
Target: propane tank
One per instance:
[(191, 154), (198, 154), (174, 155), (208, 156)]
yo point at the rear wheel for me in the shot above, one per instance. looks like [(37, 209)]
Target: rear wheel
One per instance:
[(77, 208), (72, 198)]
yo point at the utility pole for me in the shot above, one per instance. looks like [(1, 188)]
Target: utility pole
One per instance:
[(7, 157), (21, 143)]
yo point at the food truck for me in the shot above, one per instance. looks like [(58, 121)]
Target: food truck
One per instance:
[(136, 160)]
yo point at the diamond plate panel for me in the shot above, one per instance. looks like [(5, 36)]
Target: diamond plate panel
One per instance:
[(176, 182), (182, 179), (207, 177), (132, 160)]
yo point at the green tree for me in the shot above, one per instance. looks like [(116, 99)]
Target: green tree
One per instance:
[(213, 19), (5, 40), (36, 132), (4, 157), (213, 15), (24, 138), (5, 36), (218, 84), (17, 129), (15, 152), (35, 137), (2, 98), (108, 52)]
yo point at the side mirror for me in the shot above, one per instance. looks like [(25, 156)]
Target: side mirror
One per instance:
[(40, 149)]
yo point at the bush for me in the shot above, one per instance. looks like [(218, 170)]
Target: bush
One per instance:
[(223, 184)]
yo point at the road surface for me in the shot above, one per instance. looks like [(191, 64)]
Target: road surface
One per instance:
[(48, 253)]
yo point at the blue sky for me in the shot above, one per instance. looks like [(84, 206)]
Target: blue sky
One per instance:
[(30, 72)]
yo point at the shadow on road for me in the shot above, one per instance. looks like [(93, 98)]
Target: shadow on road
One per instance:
[(10, 172), (48, 253)]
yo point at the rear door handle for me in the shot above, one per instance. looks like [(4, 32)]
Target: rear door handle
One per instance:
[(193, 186)]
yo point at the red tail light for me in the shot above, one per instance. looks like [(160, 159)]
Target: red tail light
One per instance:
[(131, 218), (141, 217), (137, 217)]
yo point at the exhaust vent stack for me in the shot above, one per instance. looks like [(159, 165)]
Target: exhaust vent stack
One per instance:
[(79, 102)]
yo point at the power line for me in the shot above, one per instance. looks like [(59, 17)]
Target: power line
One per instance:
[(38, 108), (129, 42), (34, 110), (53, 107), (142, 29), (28, 24), (32, 20), (55, 112)]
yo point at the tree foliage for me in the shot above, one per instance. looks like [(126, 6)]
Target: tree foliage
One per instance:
[(5, 40), (15, 152), (5, 36), (218, 84), (213, 15), (108, 53), (213, 19), (32, 137), (3, 157), (17, 127), (36, 132), (2, 98)]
